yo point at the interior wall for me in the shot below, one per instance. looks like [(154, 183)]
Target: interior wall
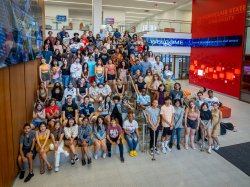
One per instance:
[(50, 15), (18, 84), (223, 64), (170, 15)]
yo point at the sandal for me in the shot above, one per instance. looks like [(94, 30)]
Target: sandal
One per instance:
[(50, 168), (42, 170)]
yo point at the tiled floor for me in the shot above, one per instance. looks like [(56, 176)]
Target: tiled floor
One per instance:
[(178, 168)]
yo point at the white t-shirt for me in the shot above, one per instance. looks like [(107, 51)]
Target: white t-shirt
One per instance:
[(94, 91), (105, 90), (210, 102), (130, 127), (168, 113)]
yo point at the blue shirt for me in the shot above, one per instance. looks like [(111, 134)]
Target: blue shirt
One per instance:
[(153, 114), (143, 99), (145, 67), (135, 67), (47, 55), (86, 110), (91, 66), (117, 34), (100, 134), (84, 133)]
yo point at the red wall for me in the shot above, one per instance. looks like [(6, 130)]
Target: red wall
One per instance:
[(212, 18)]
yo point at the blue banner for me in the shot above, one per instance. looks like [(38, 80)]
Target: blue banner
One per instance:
[(226, 41), (61, 18)]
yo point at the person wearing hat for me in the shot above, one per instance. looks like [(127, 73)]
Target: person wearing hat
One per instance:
[(69, 109), (76, 38)]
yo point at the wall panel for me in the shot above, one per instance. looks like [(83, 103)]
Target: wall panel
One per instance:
[(18, 85)]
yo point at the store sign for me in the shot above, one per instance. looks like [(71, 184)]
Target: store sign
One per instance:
[(226, 41), (61, 18)]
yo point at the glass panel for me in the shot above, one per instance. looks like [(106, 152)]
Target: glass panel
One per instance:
[(245, 84)]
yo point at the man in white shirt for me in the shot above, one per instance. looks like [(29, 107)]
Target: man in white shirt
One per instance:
[(211, 99), (167, 116), (158, 66), (75, 71)]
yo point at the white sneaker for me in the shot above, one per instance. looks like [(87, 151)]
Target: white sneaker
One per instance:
[(96, 156), (104, 155), (168, 149), (217, 148), (157, 151), (56, 169), (164, 150), (212, 146), (209, 150), (66, 153)]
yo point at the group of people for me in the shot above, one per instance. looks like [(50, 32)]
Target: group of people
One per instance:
[(82, 100)]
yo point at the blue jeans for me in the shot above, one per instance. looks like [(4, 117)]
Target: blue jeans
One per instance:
[(56, 80), (65, 80), (132, 143), (178, 134)]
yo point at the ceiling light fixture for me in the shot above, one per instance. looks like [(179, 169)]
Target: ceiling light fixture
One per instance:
[(139, 13), (137, 8), (70, 2), (158, 2), (135, 17)]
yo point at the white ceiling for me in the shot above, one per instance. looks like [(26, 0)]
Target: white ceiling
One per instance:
[(134, 9)]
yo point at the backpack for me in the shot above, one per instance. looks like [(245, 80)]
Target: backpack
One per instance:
[(228, 126), (223, 129)]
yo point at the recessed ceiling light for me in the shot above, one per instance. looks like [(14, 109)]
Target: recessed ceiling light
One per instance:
[(137, 8), (134, 17), (158, 2), (139, 13), (70, 2)]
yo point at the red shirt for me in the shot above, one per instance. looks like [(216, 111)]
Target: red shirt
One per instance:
[(114, 132), (52, 110)]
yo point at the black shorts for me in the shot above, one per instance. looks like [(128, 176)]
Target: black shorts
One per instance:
[(166, 131), (110, 77), (191, 123), (26, 151)]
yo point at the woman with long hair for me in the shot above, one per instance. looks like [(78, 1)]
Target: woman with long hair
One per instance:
[(42, 146), (123, 72), (44, 72), (55, 71), (154, 85), (65, 71), (217, 116), (100, 137), (192, 118), (39, 115), (42, 93), (99, 71), (206, 126), (71, 133)]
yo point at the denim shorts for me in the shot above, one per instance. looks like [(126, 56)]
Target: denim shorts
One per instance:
[(209, 126)]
